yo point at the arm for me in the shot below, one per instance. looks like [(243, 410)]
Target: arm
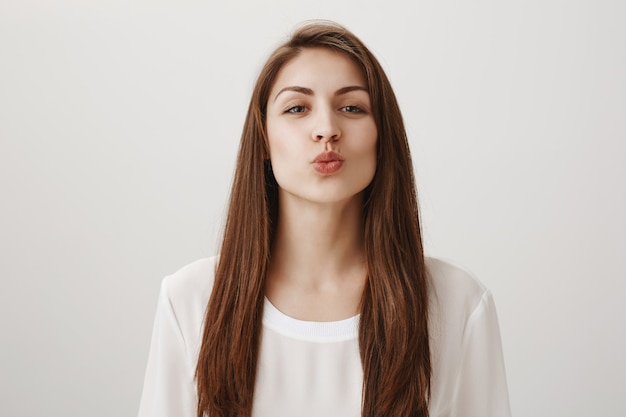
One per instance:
[(169, 387), (480, 387)]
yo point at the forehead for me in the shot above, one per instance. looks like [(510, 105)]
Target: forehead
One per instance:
[(319, 68)]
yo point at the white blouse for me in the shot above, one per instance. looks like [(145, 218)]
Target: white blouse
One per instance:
[(308, 369)]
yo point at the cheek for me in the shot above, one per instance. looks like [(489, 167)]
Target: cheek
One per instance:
[(367, 145), (278, 143), (284, 152), (369, 151)]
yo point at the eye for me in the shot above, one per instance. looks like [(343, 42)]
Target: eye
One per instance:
[(352, 109), (296, 109)]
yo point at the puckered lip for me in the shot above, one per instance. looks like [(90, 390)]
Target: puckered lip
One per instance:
[(328, 156)]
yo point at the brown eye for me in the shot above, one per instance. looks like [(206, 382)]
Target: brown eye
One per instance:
[(296, 109), (352, 109)]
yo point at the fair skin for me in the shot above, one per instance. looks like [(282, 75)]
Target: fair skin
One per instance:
[(322, 143)]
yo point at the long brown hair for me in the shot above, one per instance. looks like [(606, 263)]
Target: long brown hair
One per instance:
[(393, 328)]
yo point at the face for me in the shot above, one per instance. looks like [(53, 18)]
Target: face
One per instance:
[(320, 128)]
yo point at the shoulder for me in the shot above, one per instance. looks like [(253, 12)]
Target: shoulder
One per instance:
[(452, 285), (467, 365), (193, 281), (456, 297), (185, 294)]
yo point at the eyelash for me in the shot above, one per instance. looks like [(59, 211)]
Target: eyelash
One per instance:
[(301, 109), (356, 109), (292, 109)]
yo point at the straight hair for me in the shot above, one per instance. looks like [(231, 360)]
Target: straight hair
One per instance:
[(393, 327)]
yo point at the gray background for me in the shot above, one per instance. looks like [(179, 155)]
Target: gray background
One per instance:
[(119, 125)]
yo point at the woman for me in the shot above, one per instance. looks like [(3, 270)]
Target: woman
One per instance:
[(321, 302)]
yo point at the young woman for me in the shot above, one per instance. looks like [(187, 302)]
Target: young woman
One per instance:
[(321, 302)]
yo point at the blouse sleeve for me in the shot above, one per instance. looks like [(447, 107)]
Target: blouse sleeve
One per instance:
[(481, 388), (169, 388)]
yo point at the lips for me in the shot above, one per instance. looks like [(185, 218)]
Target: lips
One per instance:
[(328, 163)]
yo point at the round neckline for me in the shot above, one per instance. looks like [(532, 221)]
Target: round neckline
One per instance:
[(313, 331)]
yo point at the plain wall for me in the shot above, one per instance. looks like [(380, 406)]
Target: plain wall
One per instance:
[(119, 126)]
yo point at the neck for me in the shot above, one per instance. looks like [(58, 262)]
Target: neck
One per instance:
[(317, 271), (318, 244)]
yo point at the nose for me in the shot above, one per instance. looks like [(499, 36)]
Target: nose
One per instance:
[(326, 127)]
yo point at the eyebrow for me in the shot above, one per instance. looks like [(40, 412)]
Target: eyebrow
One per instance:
[(309, 92)]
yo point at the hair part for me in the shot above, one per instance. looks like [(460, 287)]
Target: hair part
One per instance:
[(393, 330)]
